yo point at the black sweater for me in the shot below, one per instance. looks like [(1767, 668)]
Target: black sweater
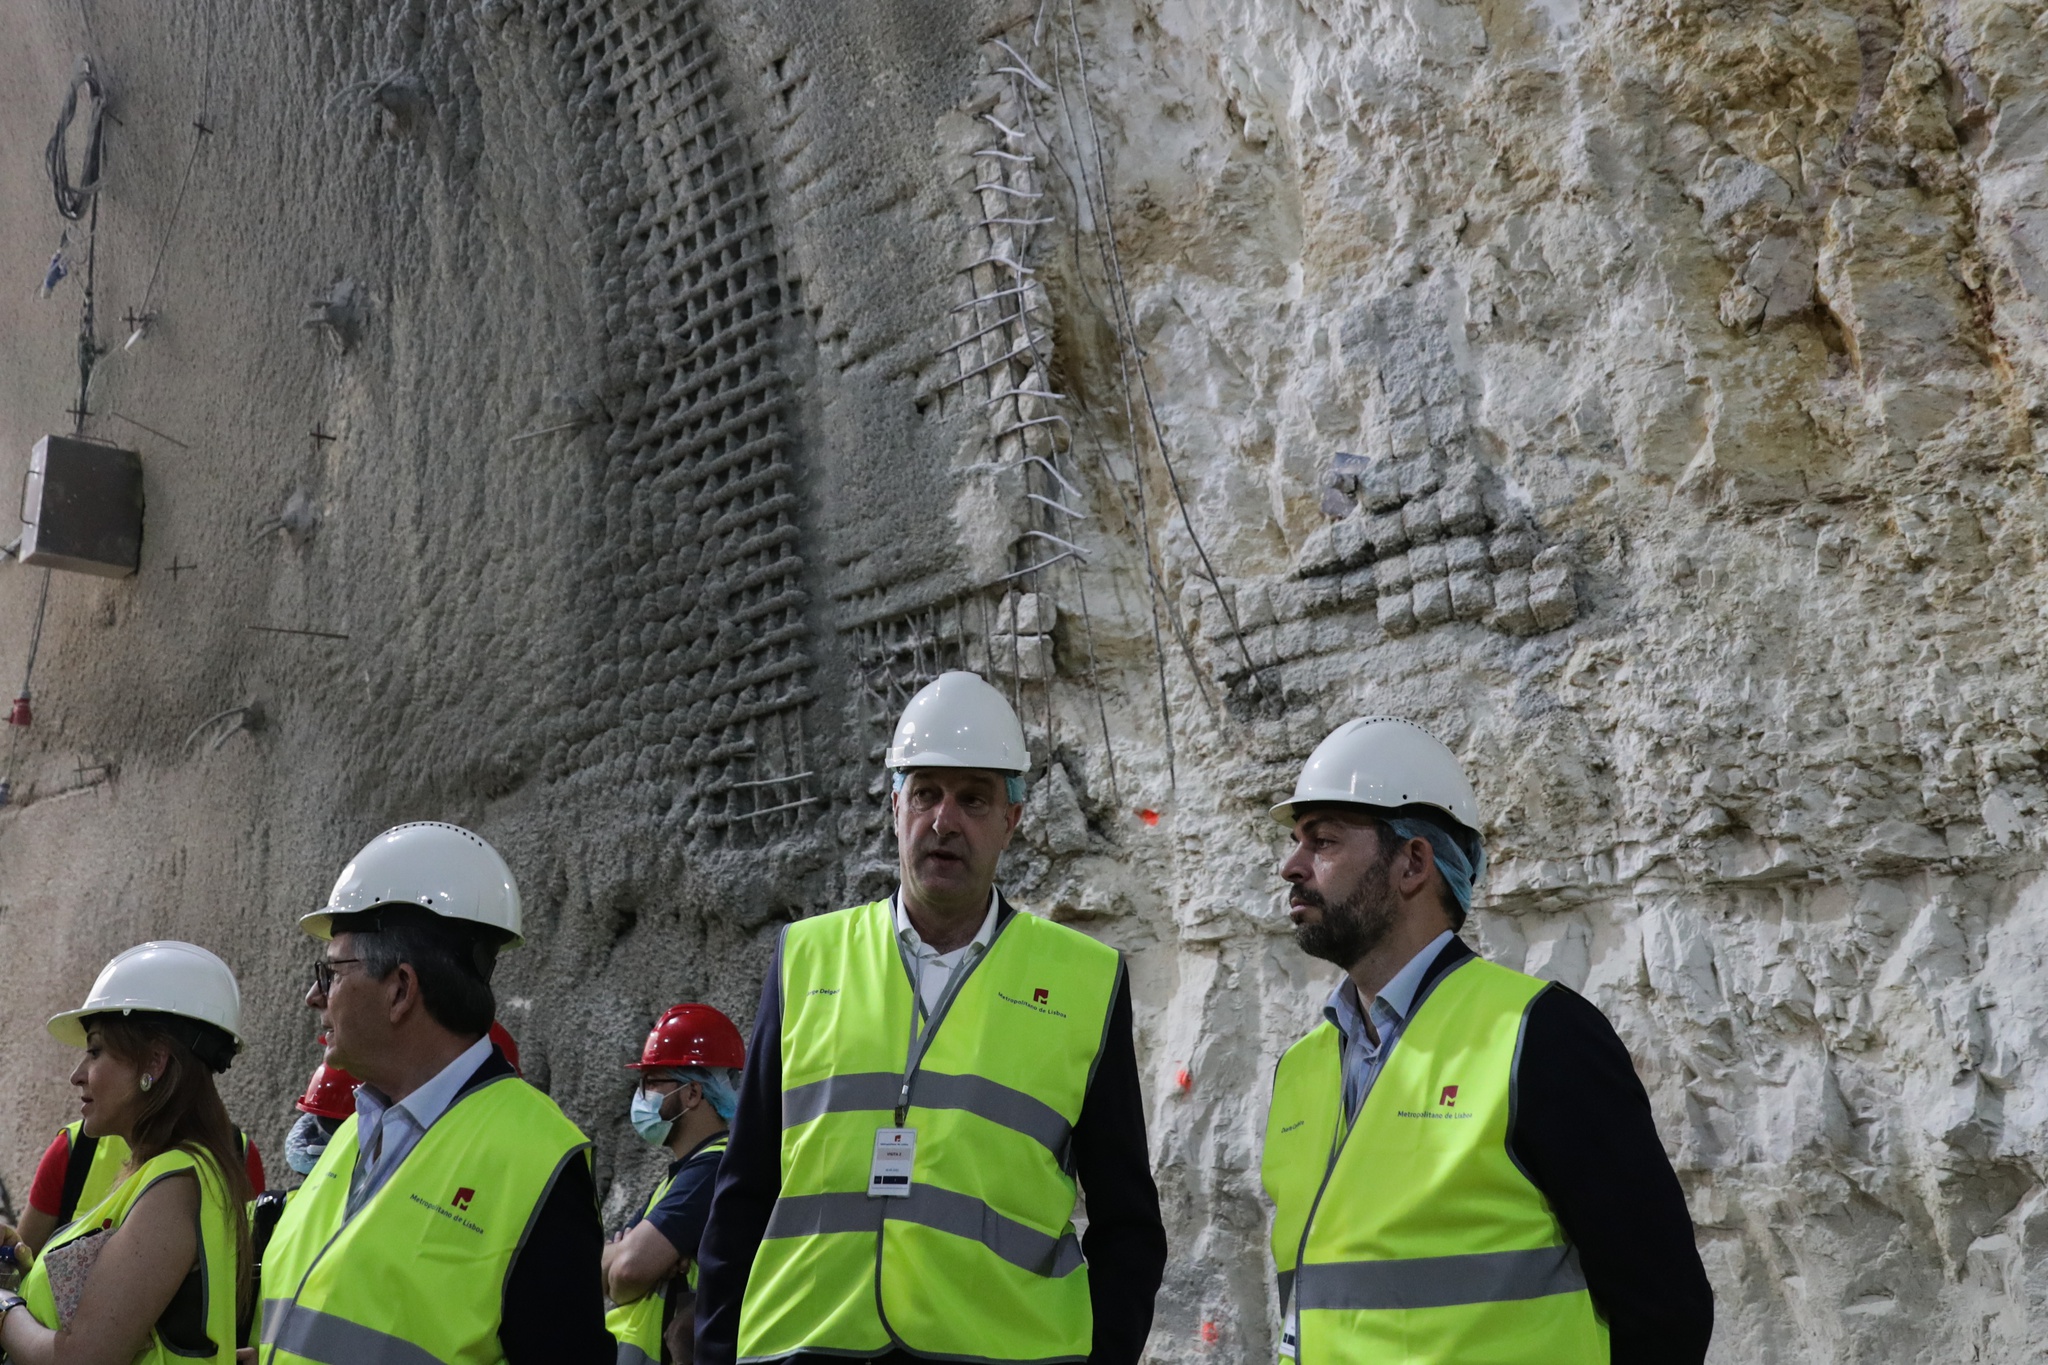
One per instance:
[(1584, 1133), (1125, 1242), (553, 1309)]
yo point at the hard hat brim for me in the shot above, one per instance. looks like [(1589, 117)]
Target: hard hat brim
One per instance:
[(912, 763), (320, 923), (1383, 763), (1284, 813), (69, 1027)]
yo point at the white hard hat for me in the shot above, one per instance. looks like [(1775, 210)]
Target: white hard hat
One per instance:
[(160, 978), (1386, 762), (442, 868), (959, 721)]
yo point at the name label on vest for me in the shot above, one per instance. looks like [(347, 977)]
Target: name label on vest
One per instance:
[(895, 1152)]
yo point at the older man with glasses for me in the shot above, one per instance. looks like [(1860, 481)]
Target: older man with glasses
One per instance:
[(454, 1216)]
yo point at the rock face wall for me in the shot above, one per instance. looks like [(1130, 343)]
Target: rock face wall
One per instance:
[(643, 398)]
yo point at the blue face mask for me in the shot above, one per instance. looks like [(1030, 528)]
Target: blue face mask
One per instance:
[(647, 1120), (305, 1143)]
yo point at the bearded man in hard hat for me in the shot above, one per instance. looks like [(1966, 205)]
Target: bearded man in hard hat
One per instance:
[(1462, 1163), (453, 1216), (928, 1076)]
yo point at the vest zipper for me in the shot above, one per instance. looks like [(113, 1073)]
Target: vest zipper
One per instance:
[(921, 1042), (1343, 1136), (919, 1045)]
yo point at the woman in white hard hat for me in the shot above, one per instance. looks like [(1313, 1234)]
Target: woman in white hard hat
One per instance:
[(157, 1271)]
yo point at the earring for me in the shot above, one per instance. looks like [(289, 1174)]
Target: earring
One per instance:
[(147, 1081)]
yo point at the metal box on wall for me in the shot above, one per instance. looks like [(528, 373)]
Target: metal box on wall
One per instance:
[(81, 508)]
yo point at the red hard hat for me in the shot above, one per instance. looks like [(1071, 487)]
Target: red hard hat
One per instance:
[(331, 1093), (692, 1035), (503, 1038)]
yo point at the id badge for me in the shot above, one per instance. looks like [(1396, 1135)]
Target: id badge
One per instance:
[(889, 1176), (1290, 1336)]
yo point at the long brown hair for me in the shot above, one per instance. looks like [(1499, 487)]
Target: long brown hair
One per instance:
[(182, 1110)]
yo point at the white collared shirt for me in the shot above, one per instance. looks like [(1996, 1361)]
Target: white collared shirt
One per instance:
[(935, 970), (386, 1132), (1363, 1057)]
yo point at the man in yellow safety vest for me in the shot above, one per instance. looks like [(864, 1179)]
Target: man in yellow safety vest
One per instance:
[(929, 1077), (1462, 1163), (687, 1090), (452, 1217)]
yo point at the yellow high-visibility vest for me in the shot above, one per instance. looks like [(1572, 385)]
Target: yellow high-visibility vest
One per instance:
[(979, 1260), (1413, 1238), (217, 1273), (418, 1275), (104, 1159), (636, 1326)]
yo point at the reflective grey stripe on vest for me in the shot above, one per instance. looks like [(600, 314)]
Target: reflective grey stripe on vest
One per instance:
[(1440, 1281), (633, 1355), (335, 1341), (962, 1215), (977, 1095), (1286, 1287)]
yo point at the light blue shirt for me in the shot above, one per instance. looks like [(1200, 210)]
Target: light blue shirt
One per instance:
[(1363, 1057), (386, 1133)]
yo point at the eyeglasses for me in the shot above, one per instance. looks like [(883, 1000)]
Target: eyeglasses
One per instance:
[(324, 973)]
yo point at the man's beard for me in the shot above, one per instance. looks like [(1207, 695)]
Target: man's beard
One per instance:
[(1349, 930)]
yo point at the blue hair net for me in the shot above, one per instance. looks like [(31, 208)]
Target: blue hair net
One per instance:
[(719, 1090), (1013, 785), (1452, 861)]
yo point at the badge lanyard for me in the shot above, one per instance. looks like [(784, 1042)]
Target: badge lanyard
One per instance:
[(896, 1148)]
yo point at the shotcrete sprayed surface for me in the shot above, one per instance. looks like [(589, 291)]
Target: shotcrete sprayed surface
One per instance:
[(703, 376)]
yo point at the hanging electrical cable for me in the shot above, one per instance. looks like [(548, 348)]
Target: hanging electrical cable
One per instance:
[(1127, 329), (72, 199), (1158, 600)]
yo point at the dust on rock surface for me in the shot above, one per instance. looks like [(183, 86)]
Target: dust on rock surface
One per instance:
[(1652, 399)]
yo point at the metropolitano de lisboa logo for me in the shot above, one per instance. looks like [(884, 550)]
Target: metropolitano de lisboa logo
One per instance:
[(1446, 1107), (1040, 1001)]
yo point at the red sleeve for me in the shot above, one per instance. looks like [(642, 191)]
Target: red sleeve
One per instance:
[(255, 1166), (47, 1194)]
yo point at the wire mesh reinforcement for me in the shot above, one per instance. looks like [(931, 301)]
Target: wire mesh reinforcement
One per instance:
[(701, 650)]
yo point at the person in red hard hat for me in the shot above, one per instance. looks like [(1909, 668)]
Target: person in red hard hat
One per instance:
[(330, 1097), (502, 1037), (688, 1087)]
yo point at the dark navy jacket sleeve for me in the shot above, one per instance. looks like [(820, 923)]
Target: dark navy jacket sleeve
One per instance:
[(1584, 1135), (749, 1180), (681, 1214), (1584, 1132), (553, 1307), (1126, 1240)]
